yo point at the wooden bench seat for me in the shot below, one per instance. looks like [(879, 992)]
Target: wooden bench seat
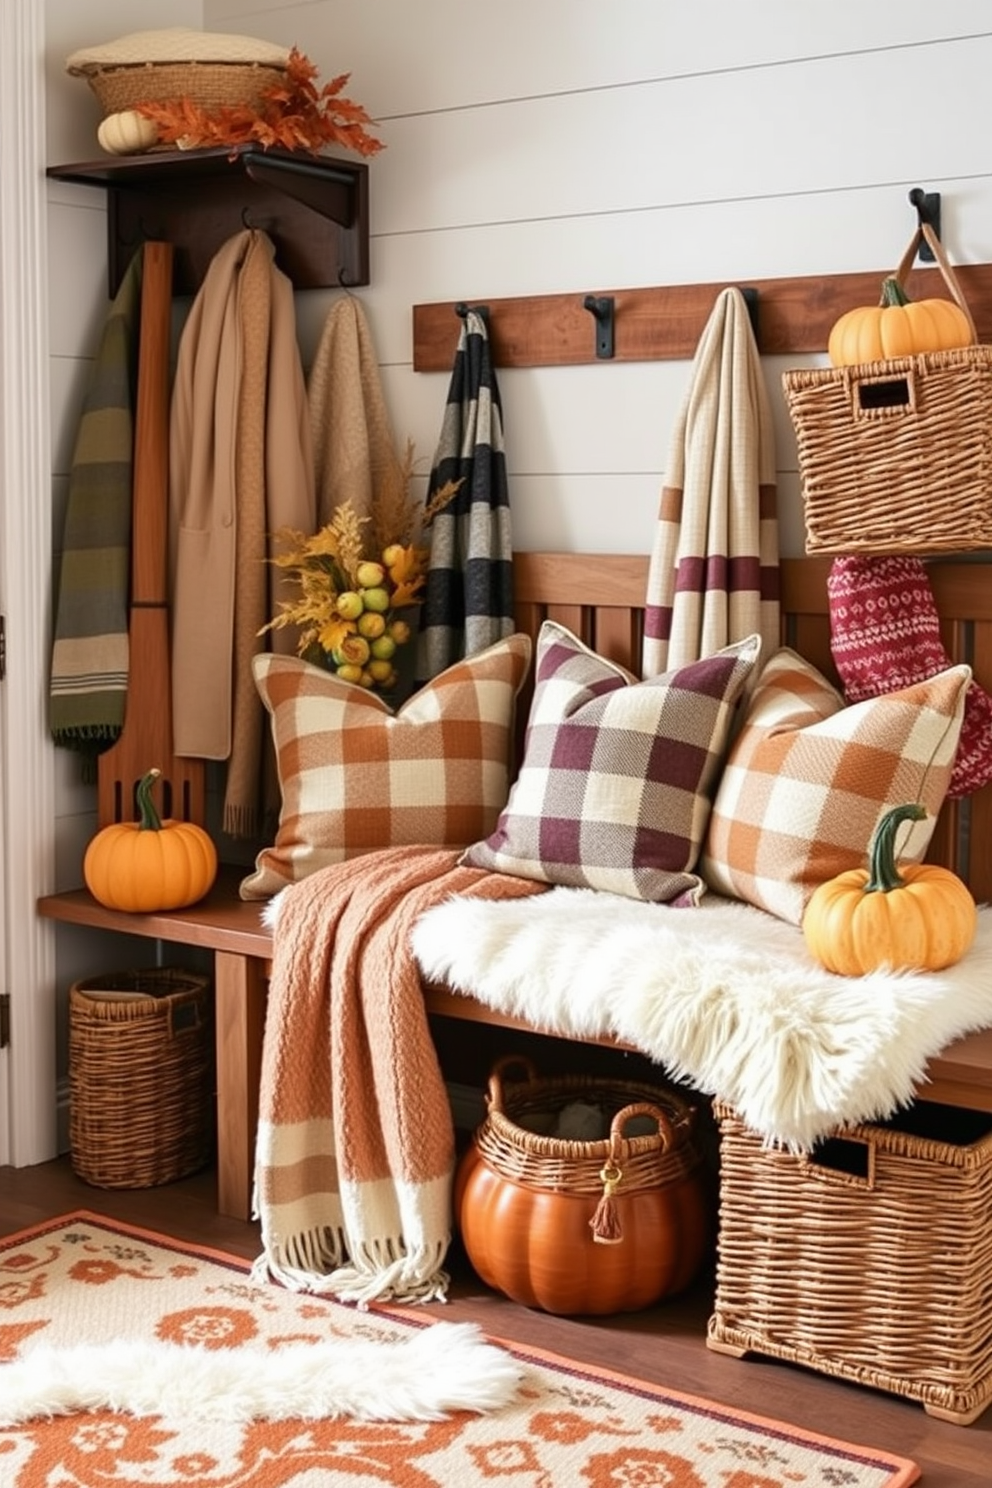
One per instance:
[(600, 598), (231, 928)]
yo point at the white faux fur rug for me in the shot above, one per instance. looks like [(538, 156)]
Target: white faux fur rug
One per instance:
[(723, 996), (444, 1368)]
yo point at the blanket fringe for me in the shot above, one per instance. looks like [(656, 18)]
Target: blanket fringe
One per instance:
[(301, 1260), (413, 1278)]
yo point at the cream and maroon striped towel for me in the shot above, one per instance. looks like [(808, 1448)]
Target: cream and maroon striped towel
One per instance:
[(355, 1150), (713, 576)]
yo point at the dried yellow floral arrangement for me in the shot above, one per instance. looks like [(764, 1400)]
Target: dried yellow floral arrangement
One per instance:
[(354, 578)]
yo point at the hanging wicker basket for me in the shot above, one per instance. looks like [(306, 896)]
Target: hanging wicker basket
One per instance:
[(895, 456), (141, 1071), (608, 1225)]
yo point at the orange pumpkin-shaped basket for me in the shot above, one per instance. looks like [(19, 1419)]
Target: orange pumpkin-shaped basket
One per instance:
[(577, 1227)]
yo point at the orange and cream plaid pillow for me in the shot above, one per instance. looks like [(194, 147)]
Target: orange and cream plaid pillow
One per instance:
[(807, 779), (356, 777)]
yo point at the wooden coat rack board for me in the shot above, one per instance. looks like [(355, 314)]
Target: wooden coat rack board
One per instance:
[(665, 324)]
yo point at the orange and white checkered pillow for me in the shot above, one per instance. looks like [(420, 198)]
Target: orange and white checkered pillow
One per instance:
[(618, 774), (356, 777), (807, 779)]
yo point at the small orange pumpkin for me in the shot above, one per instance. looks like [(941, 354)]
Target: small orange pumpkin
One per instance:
[(150, 864), (920, 918), (898, 327)]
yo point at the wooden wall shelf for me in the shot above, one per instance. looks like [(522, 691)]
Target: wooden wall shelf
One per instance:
[(314, 208), (665, 324)]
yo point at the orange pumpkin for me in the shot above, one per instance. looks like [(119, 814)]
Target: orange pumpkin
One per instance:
[(922, 917), (150, 864), (613, 1244), (898, 327)]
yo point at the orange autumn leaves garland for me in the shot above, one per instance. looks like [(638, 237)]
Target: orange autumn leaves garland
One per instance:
[(294, 113)]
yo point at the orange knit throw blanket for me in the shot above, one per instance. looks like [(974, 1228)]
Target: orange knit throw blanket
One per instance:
[(355, 1154)]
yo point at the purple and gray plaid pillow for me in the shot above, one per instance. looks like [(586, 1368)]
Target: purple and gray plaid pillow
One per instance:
[(618, 775)]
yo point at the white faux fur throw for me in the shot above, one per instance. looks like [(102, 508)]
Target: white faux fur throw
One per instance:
[(440, 1369), (723, 996)]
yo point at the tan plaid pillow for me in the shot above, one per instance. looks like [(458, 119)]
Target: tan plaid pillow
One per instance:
[(355, 776), (618, 774), (807, 779)]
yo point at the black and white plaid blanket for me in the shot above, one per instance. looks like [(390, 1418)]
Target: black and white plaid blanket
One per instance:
[(469, 592)]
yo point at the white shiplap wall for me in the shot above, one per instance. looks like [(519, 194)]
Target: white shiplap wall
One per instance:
[(550, 146)]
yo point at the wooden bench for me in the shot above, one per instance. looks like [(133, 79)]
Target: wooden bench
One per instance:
[(600, 597)]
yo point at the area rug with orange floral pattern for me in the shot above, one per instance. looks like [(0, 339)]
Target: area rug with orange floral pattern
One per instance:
[(83, 1280)]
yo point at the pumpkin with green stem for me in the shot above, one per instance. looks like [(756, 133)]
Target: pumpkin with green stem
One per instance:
[(920, 917), (898, 327), (149, 864)]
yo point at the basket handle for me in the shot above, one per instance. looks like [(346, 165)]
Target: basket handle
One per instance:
[(848, 1159), (494, 1092), (184, 1015), (618, 1143), (925, 233), (605, 1223)]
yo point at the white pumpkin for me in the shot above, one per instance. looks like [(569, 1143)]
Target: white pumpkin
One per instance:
[(127, 133)]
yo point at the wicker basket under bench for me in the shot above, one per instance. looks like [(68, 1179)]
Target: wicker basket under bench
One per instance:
[(601, 598), (869, 1260)]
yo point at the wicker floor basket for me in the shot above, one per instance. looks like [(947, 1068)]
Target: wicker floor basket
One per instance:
[(870, 1261), (141, 1069), (575, 1226)]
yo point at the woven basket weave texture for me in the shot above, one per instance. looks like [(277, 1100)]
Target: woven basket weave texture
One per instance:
[(211, 85), (141, 1071), (583, 1226), (870, 1261), (896, 456), (511, 1141)]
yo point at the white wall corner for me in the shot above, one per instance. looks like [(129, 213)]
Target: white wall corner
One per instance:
[(26, 755)]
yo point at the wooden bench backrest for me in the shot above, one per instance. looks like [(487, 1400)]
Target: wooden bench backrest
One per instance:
[(600, 597)]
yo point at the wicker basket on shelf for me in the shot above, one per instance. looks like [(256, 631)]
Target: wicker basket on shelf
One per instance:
[(869, 1260), (141, 1072), (211, 85), (575, 1226), (212, 70)]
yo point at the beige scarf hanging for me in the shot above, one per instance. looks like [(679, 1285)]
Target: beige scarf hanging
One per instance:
[(241, 468), (353, 448), (713, 576)]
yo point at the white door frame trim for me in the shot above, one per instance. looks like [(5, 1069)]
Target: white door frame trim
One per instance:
[(27, 768)]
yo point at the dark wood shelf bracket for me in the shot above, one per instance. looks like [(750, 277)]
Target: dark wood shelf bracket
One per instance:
[(314, 208)]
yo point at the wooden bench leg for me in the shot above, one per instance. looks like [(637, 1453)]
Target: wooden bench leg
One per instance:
[(240, 989)]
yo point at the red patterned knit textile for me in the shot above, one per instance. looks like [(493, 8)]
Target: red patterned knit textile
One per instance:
[(885, 634)]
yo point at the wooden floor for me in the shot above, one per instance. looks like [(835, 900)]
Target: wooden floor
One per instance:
[(664, 1344)]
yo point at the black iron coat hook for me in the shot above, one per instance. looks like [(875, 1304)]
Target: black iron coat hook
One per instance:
[(461, 310), (601, 307), (927, 204)]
